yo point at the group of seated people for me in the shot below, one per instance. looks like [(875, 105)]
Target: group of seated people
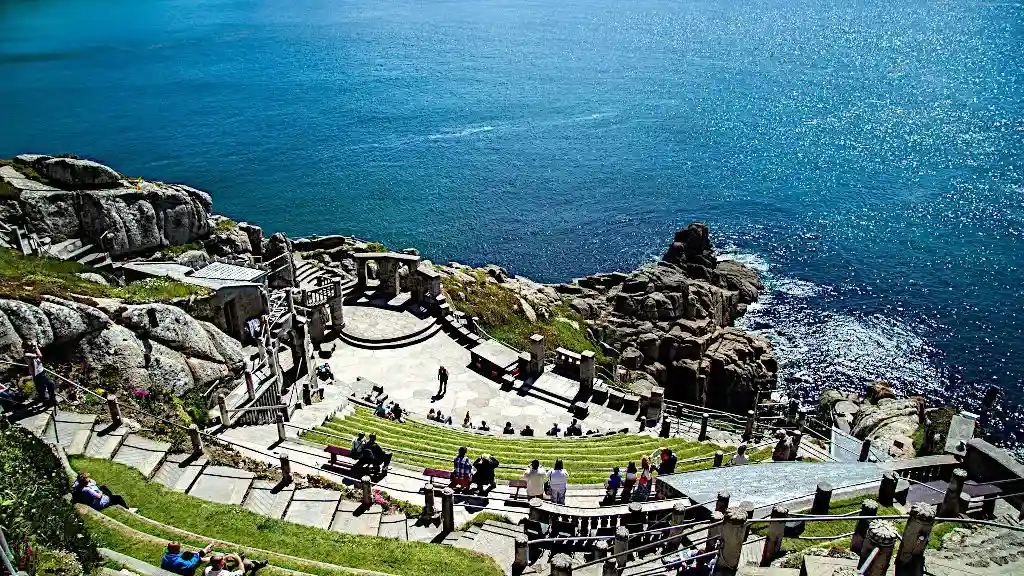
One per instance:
[(437, 416), (636, 484), (391, 411), (369, 455), (465, 473), (185, 563), (574, 429)]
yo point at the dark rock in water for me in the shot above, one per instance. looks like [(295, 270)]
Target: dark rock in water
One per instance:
[(76, 174), (692, 245)]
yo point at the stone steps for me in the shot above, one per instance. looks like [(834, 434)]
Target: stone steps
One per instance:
[(391, 343), (74, 431)]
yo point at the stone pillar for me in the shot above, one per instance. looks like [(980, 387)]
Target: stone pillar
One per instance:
[(286, 467), (865, 450), (621, 545), (307, 394), (916, 535), (196, 439), (281, 435), (654, 406), (666, 428), (703, 427), (367, 485), (601, 550), (588, 368), (337, 306), (610, 568), (250, 386), (298, 344), (733, 533), (316, 324), (522, 554), (794, 407), (678, 519), (715, 528), (719, 458), (536, 355), (776, 530), (723, 501), (797, 436), (448, 510), (561, 565), (822, 499), (867, 508), (115, 409), (881, 535), (428, 502), (951, 501), (748, 430), (225, 419), (887, 488)]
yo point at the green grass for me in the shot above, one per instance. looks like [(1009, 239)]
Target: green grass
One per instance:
[(837, 529), (235, 524), (482, 517), (175, 251), (599, 455), (376, 247), (501, 316), (30, 277)]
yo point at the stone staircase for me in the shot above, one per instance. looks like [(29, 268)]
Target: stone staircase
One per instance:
[(80, 251), (987, 552), (496, 539)]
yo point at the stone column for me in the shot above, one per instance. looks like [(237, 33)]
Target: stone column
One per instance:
[(281, 434), (367, 485), (865, 450), (733, 533), (621, 545), (719, 458), (656, 403), (361, 275), (286, 467), (115, 409), (448, 510), (588, 365), (887, 488), (867, 508), (822, 499), (916, 535), (951, 501), (703, 427), (225, 419), (428, 502), (776, 530), (522, 554), (881, 535), (797, 436), (561, 565), (723, 501), (748, 431), (337, 306), (250, 386), (316, 324), (537, 510), (195, 439), (536, 354), (678, 519), (261, 347)]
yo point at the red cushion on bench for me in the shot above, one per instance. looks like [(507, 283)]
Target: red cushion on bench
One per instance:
[(338, 450), (435, 473)]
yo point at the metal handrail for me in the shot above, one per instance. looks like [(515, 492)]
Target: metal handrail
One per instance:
[(646, 546)]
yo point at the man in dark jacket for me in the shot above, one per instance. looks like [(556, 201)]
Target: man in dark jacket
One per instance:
[(485, 466)]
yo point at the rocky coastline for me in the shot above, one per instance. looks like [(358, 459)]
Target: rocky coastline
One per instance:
[(668, 323)]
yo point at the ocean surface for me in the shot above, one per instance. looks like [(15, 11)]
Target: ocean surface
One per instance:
[(867, 157)]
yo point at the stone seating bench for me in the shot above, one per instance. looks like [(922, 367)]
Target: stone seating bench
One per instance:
[(518, 485), (336, 451)]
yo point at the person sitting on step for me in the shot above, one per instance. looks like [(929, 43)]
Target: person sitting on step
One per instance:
[(431, 415), (612, 485), (535, 477), (382, 410), (184, 563), (629, 481), (462, 470), (485, 466), (574, 429), (397, 413), (508, 429), (558, 481), (484, 427), (555, 430), (373, 459), (242, 567), (526, 431), (467, 422), (357, 445), (86, 491), (740, 458)]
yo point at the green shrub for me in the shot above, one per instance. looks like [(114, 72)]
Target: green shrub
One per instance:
[(32, 505), (484, 517), (225, 225), (376, 247), (56, 563), (156, 290), (172, 252)]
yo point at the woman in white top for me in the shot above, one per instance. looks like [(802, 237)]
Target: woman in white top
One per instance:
[(535, 477), (558, 481)]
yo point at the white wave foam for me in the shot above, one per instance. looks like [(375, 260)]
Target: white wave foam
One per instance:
[(464, 132)]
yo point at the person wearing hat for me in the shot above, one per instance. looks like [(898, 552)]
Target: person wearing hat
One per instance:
[(184, 563)]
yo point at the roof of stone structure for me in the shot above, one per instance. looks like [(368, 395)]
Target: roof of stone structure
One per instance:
[(385, 255)]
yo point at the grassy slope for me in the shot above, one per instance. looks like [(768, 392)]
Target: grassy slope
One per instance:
[(235, 524), (29, 277), (601, 454), (501, 316)]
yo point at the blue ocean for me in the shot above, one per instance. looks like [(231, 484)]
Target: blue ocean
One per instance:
[(867, 157)]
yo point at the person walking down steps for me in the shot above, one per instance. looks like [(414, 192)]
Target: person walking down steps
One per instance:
[(442, 381)]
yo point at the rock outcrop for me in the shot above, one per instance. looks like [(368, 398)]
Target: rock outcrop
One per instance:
[(889, 422), (673, 320), (140, 346), (84, 199)]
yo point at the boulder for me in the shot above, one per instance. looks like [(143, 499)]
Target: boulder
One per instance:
[(888, 412), (93, 277), (172, 327), (194, 259), (631, 358), (738, 364), (168, 369), (229, 242), (53, 214), (71, 321), (277, 245), (115, 349), (28, 321), (75, 174), (255, 235), (692, 245), (205, 372), (228, 348), (130, 220), (10, 340), (741, 279), (584, 307)]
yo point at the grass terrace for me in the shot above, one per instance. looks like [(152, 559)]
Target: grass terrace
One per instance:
[(235, 524), (588, 460)]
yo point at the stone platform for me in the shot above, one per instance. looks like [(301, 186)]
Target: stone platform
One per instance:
[(373, 323)]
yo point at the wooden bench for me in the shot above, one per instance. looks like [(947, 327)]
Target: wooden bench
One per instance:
[(518, 485), (336, 451), (437, 473)]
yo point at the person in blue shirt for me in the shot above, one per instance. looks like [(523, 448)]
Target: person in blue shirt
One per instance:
[(612, 485), (184, 563), (85, 491)]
